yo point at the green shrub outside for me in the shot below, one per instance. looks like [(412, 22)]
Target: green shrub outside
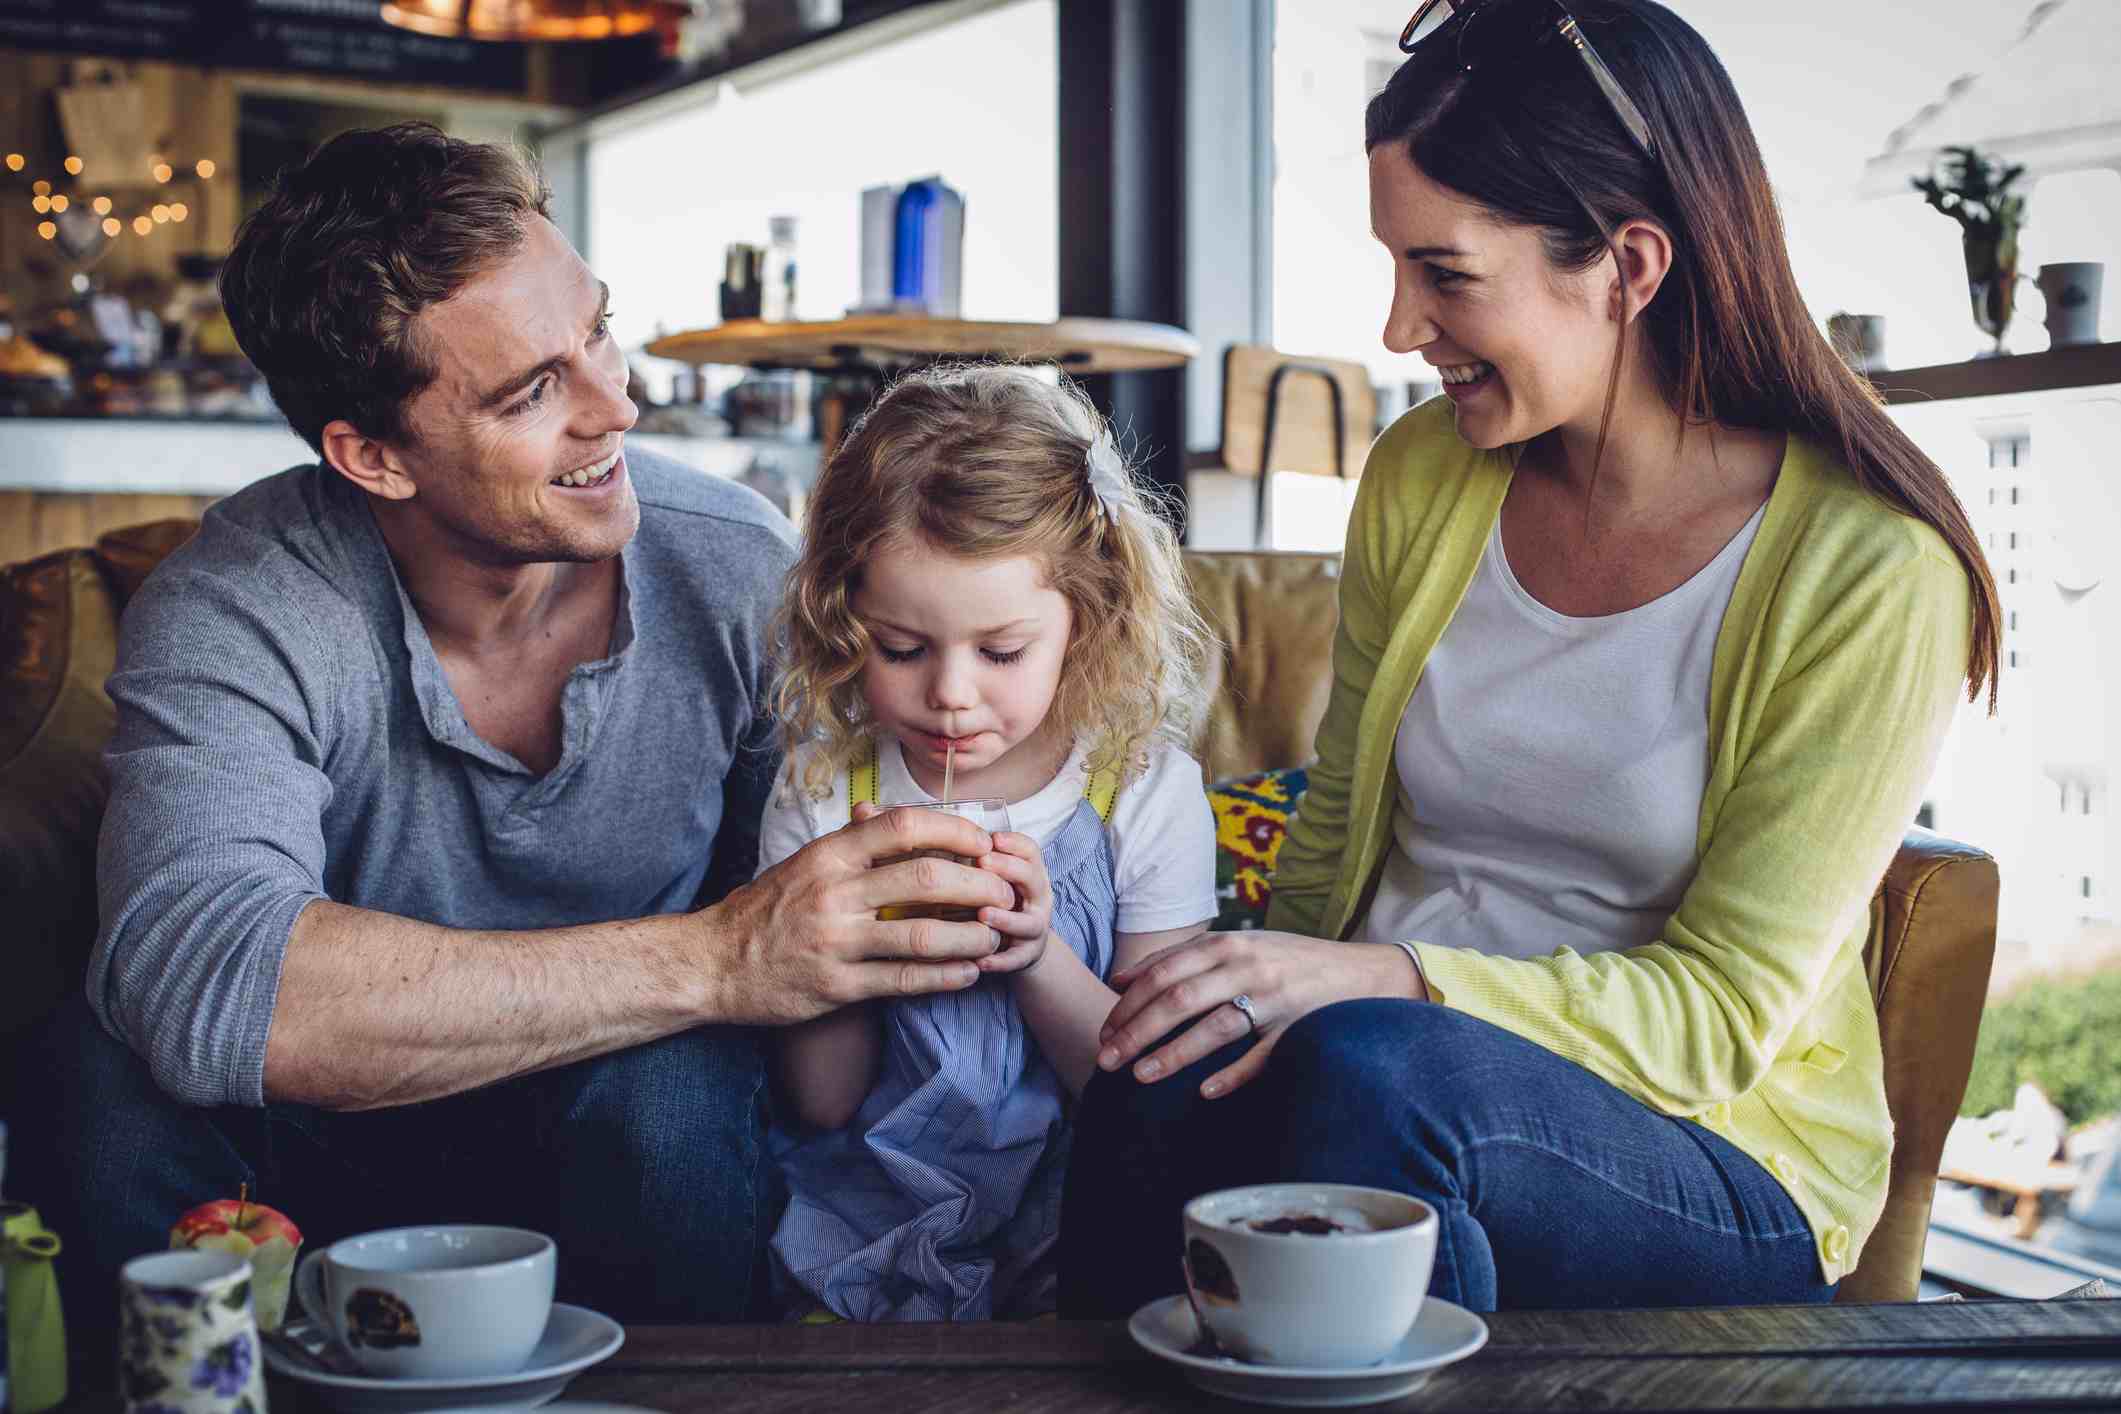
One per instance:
[(2064, 1035)]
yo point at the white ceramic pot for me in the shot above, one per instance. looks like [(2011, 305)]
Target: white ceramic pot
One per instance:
[(2072, 288)]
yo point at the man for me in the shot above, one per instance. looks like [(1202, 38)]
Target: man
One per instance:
[(436, 765)]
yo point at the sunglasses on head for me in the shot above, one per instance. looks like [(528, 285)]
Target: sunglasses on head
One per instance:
[(1485, 30)]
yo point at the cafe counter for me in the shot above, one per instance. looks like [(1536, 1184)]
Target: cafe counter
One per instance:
[(65, 479)]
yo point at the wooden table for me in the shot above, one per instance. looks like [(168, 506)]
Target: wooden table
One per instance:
[(1936, 1356), (871, 342)]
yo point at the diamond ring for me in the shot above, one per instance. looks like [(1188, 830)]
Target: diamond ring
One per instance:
[(1244, 1004)]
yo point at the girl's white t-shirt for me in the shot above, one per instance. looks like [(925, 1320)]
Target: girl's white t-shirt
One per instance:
[(1550, 769), (1162, 831)]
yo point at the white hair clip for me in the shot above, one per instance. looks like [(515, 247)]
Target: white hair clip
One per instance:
[(1108, 474)]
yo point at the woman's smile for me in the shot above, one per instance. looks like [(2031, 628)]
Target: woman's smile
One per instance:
[(1465, 380)]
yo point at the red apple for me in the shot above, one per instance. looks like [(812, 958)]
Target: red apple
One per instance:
[(250, 1230)]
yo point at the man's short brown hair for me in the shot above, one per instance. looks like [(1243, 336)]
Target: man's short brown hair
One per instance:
[(327, 276)]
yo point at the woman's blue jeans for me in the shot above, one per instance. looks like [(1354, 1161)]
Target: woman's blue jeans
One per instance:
[(1555, 1189)]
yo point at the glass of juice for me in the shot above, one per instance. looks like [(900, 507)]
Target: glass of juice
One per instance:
[(990, 815)]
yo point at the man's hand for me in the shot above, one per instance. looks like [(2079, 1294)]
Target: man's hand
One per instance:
[(803, 938)]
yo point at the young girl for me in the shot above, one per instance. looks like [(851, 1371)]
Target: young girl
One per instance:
[(982, 590)]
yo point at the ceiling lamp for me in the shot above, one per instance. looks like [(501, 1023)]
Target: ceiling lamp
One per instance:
[(535, 19)]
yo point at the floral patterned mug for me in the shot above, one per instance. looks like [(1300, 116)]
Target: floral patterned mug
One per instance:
[(187, 1337)]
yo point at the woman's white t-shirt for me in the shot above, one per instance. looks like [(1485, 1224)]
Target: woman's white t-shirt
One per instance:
[(1162, 831), (1550, 769)]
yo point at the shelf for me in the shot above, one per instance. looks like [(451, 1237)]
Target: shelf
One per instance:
[(215, 457), (2080, 366), (1080, 345)]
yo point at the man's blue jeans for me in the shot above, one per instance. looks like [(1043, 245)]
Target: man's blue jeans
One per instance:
[(645, 1165), (1555, 1189)]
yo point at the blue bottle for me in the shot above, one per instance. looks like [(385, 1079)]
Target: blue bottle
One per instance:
[(909, 253)]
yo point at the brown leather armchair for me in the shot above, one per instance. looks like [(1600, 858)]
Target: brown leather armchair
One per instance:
[(1933, 921)]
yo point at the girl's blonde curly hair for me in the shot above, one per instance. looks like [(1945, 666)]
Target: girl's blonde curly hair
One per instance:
[(989, 461)]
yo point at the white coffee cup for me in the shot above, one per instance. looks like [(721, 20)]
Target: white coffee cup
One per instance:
[(1321, 1298), (433, 1302)]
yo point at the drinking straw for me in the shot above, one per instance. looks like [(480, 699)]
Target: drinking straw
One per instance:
[(949, 765)]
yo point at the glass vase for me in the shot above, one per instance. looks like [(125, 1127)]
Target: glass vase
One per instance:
[(1992, 285)]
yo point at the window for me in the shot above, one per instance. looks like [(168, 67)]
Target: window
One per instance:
[(1332, 282), (974, 101), (2031, 785)]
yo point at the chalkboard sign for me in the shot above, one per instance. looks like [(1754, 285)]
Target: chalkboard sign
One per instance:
[(340, 37)]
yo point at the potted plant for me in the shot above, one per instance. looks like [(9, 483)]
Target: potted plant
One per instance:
[(1976, 192)]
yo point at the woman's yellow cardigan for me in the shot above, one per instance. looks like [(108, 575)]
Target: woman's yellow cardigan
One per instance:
[(1837, 669)]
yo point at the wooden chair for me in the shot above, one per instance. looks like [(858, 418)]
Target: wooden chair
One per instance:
[(1288, 412)]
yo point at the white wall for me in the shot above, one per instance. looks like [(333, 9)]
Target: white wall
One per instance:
[(1824, 82), (975, 101)]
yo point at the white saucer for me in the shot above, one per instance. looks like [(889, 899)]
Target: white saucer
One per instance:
[(575, 1338), (1444, 1333)]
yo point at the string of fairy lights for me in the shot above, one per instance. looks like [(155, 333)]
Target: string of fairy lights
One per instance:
[(47, 202)]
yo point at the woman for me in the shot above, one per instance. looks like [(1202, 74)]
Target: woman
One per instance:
[(1649, 636)]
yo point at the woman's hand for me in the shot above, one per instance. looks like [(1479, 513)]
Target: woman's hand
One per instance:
[(1024, 929), (1283, 975)]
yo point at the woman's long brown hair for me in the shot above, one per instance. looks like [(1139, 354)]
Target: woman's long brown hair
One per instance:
[(1528, 136)]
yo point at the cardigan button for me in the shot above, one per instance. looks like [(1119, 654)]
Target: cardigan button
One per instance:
[(1783, 1168), (1835, 1245), (1718, 1115)]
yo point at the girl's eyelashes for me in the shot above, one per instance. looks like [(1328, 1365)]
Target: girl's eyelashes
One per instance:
[(906, 655)]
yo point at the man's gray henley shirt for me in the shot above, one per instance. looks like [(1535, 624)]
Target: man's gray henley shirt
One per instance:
[(286, 733)]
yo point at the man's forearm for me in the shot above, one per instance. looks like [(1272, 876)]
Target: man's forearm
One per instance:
[(376, 1010)]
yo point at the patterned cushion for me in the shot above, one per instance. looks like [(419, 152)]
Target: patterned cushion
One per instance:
[(1251, 815)]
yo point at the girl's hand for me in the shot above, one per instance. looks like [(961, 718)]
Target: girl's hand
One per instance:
[(1285, 976), (1024, 929)]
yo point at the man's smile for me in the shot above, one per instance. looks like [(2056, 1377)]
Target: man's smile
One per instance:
[(597, 473)]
